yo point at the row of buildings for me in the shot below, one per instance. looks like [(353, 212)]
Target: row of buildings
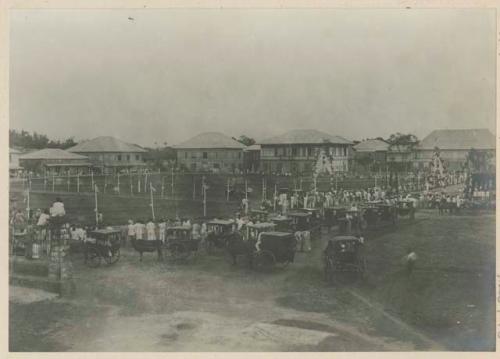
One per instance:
[(296, 151), (303, 151)]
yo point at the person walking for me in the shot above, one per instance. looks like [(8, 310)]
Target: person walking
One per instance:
[(410, 260)]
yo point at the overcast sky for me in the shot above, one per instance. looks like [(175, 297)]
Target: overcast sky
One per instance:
[(168, 75)]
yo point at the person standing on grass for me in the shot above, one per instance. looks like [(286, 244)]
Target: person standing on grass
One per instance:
[(130, 231), (139, 230), (410, 260), (151, 230), (162, 228)]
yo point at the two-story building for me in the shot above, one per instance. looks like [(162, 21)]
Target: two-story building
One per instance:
[(370, 155), (110, 155), (210, 152), (54, 161), (15, 169), (300, 151), (453, 146)]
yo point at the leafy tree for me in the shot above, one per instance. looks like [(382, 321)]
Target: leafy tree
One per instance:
[(247, 141)]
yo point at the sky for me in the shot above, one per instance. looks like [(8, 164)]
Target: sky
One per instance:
[(156, 76)]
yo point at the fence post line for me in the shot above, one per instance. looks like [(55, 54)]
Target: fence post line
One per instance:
[(172, 184), (131, 184), (163, 187), (96, 208), (194, 188)]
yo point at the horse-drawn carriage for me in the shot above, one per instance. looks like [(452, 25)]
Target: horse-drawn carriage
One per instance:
[(102, 244), (274, 248), (241, 245), (219, 232), (406, 208), (344, 255), (180, 243), (376, 214)]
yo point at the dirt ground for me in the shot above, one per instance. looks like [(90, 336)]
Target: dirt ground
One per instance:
[(206, 304)]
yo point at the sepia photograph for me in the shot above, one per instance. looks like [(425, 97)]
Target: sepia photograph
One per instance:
[(224, 179)]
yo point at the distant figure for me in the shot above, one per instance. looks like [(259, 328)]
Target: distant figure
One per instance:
[(130, 231), (410, 260), (162, 228), (57, 209), (151, 230), (139, 230)]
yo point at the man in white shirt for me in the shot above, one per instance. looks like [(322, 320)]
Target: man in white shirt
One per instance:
[(162, 228), (151, 230), (139, 230), (57, 208)]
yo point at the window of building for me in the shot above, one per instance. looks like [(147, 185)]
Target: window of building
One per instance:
[(309, 151), (239, 155), (119, 157), (205, 155), (128, 157), (294, 151), (276, 152), (345, 151), (137, 157)]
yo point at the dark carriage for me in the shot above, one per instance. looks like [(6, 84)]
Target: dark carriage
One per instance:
[(301, 221), (102, 244), (219, 232), (332, 216), (406, 208), (275, 248), (242, 244), (283, 224), (180, 242), (344, 256), (376, 214)]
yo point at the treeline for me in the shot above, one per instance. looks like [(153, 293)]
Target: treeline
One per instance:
[(25, 139)]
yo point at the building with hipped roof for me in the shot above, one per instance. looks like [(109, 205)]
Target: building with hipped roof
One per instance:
[(298, 151), (111, 155), (54, 161), (370, 155), (210, 152), (15, 169), (251, 158), (453, 146)]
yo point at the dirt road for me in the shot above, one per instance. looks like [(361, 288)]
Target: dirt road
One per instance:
[(207, 305)]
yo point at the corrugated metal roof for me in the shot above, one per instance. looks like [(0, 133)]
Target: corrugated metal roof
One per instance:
[(304, 137), (210, 140), (372, 145), (52, 154), (105, 144), (461, 139)]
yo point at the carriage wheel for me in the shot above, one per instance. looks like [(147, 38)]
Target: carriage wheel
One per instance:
[(179, 251), (264, 260), (114, 257), (93, 258)]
